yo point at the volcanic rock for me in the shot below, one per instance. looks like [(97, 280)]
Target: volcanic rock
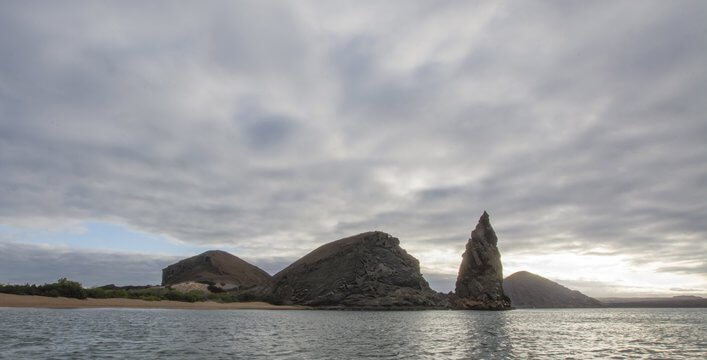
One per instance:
[(218, 268), (528, 290), (480, 280), (368, 270)]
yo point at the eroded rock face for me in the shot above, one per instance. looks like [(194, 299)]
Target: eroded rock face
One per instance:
[(369, 270), (219, 267), (480, 280)]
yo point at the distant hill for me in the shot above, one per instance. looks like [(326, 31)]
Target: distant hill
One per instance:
[(528, 290), (218, 267), (657, 302)]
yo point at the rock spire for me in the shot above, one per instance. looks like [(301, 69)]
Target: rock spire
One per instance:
[(480, 280)]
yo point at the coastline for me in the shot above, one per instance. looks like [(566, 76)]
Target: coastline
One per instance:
[(30, 301)]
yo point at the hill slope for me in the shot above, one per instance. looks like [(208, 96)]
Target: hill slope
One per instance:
[(365, 270), (528, 290), (219, 267)]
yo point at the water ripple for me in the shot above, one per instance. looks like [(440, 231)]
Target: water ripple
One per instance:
[(256, 334)]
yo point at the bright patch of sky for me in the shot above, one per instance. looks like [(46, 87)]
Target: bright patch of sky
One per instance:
[(99, 235)]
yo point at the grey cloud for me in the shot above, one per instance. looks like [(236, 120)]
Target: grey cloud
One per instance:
[(603, 289), (686, 269), (269, 132), (272, 127), (39, 264), (687, 290), (21, 263)]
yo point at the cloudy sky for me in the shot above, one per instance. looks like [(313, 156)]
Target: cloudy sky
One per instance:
[(134, 136)]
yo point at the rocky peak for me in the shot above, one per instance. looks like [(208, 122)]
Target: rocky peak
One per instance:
[(485, 218), (480, 280)]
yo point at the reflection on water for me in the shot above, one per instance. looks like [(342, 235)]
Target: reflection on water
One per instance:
[(229, 334)]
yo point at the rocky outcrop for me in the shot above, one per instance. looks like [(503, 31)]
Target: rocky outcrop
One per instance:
[(480, 281), (527, 290), (218, 268), (365, 271), (369, 270)]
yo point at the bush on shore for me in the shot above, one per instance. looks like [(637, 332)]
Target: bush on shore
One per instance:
[(63, 288), (73, 289)]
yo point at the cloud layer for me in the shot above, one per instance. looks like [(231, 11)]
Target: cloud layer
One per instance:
[(274, 127)]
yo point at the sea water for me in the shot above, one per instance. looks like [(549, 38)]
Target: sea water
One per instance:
[(252, 334)]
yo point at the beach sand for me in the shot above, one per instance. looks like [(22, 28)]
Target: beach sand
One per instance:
[(9, 300)]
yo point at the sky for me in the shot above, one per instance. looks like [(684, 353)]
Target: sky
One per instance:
[(134, 135)]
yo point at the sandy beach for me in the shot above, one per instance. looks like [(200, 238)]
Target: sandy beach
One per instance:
[(9, 300)]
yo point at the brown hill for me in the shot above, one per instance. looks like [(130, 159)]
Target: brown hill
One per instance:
[(365, 270), (528, 290), (219, 267)]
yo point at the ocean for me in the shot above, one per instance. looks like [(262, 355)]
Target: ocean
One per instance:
[(312, 334)]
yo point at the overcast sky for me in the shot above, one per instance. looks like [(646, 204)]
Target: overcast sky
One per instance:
[(133, 136)]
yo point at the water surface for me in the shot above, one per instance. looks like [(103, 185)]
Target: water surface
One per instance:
[(253, 334)]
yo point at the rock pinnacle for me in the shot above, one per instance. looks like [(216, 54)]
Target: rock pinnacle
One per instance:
[(480, 280)]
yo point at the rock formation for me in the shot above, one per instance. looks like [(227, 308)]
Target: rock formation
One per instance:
[(219, 268), (369, 270), (364, 271), (480, 280), (527, 290)]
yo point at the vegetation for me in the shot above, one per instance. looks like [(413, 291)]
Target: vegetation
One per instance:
[(63, 288), (73, 289)]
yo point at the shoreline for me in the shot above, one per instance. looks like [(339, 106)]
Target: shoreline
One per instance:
[(32, 301)]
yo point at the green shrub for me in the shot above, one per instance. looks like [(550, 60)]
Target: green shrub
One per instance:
[(122, 294), (195, 295), (150, 298), (67, 288), (63, 287), (96, 293), (70, 289)]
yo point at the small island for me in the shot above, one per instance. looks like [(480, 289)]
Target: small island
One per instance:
[(368, 271), (365, 271)]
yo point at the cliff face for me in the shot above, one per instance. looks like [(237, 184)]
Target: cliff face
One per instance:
[(365, 270), (480, 280), (527, 290), (223, 269)]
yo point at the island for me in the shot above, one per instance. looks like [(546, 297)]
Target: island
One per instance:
[(367, 271), (364, 271)]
